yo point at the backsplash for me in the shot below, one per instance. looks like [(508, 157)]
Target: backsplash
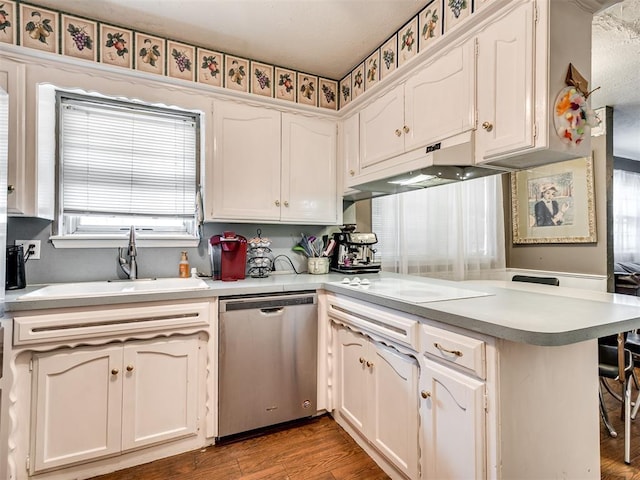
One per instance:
[(91, 264), (56, 32)]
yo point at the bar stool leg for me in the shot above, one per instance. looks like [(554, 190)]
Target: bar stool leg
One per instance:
[(627, 422)]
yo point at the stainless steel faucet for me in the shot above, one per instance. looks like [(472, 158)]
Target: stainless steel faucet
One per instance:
[(130, 268)]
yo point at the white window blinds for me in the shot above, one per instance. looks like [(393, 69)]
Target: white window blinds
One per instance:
[(126, 159)]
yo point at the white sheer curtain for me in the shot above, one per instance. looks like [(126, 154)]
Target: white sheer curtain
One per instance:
[(453, 231), (626, 216)]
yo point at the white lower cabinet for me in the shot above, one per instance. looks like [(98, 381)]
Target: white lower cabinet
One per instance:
[(91, 402), (452, 424), (377, 396)]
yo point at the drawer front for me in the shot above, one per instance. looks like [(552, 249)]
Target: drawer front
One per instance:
[(453, 348), (378, 321)]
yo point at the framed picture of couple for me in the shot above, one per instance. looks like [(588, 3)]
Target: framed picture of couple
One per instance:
[(554, 203)]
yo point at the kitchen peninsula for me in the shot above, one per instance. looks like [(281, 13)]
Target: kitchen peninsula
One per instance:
[(528, 353)]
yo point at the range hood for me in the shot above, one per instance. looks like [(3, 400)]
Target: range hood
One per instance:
[(439, 164)]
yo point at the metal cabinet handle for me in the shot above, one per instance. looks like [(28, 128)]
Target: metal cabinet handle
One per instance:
[(286, 204), (11, 189), (457, 353), (488, 126), (352, 172), (398, 132), (425, 394), (361, 360), (129, 368), (277, 203), (115, 371), (369, 364), (406, 129)]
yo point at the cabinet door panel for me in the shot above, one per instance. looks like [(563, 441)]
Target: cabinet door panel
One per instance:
[(350, 149), (246, 163), (394, 406), (78, 406), (378, 124), (352, 396), (159, 392), (440, 100), (453, 424), (506, 85), (309, 174)]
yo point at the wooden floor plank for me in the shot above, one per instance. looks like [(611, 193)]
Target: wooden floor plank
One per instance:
[(319, 449)]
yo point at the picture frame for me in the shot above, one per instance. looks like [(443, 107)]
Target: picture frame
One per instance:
[(150, 53), (554, 203), (116, 46), (8, 22), (261, 79), (79, 38), (39, 28), (181, 61), (285, 82), (328, 94), (236, 73), (307, 89), (210, 67)]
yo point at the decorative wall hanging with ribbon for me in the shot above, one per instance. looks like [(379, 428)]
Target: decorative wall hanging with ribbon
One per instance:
[(572, 114)]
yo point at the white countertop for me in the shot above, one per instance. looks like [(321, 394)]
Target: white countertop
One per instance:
[(522, 312)]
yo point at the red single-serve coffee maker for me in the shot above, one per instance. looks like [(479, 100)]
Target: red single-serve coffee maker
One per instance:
[(228, 256)]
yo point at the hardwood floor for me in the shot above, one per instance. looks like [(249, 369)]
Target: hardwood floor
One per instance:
[(320, 450), (317, 449)]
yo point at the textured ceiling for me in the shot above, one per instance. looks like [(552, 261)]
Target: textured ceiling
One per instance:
[(330, 37), (616, 69)]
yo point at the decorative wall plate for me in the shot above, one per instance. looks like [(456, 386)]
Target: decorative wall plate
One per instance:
[(572, 115)]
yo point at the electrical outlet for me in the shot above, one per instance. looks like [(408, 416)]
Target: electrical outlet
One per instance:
[(35, 250)]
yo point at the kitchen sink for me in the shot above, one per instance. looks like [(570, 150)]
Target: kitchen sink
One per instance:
[(110, 288)]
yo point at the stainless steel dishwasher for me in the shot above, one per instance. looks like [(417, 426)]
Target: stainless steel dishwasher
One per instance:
[(267, 360)]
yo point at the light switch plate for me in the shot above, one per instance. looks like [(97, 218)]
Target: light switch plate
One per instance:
[(25, 246)]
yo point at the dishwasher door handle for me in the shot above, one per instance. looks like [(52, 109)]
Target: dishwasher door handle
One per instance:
[(272, 311)]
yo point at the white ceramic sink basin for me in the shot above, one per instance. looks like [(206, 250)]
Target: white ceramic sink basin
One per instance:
[(124, 287)]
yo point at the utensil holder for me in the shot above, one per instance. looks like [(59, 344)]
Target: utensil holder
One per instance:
[(318, 265)]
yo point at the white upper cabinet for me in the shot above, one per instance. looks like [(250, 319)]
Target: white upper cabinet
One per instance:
[(309, 188), (350, 148), (271, 166), (12, 81), (435, 103), (506, 113), (440, 98), (245, 179), (381, 128), (523, 58)]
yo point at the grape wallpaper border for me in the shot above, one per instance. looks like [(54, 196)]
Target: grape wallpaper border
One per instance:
[(29, 25)]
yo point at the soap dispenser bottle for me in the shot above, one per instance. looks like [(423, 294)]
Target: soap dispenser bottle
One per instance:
[(183, 266)]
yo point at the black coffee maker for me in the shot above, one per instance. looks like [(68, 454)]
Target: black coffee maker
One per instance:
[(15, 274)]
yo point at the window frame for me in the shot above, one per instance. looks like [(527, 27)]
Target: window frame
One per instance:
[(108, 238)]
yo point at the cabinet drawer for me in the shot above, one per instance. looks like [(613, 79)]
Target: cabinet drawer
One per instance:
[(466, 352)]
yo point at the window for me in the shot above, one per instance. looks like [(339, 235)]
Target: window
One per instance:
[(453, 231), (626, 216), (124, 163)]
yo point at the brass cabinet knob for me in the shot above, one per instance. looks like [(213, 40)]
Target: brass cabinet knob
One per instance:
[(115, 371), (277, 203), (129, 368), (286, 204), (425, 394), (11, 189), (488, 126), (361, 360), (369, 364), (352, 172), (398, 132), (406, 129)]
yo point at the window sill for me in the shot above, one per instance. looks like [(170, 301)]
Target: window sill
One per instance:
[(105, 241)]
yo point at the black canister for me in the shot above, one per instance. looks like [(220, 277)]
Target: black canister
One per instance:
[(15, 274)]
